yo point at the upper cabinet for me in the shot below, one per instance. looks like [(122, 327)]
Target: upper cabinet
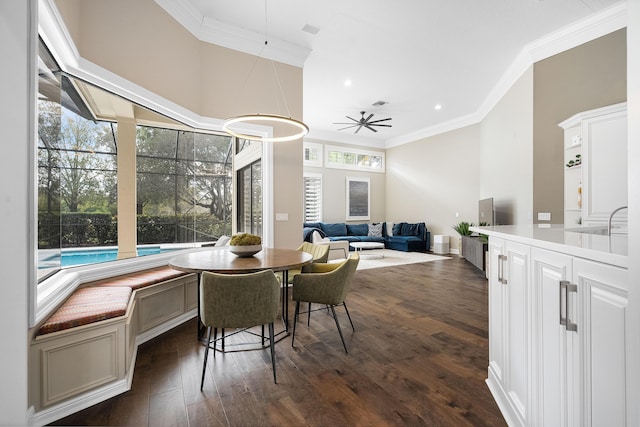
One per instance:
[(595, 164)]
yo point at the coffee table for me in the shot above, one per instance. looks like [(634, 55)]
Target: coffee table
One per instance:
[(359, 246)]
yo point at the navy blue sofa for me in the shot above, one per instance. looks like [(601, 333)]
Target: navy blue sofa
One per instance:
[(408, 237)]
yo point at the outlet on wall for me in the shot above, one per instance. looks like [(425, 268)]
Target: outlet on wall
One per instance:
[(544, 216)]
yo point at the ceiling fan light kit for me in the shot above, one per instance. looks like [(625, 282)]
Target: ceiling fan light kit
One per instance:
[(366, 123)]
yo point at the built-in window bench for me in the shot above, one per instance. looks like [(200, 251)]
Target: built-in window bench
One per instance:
[(85, 351)]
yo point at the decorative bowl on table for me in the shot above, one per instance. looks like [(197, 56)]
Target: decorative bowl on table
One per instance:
[(245, 251)]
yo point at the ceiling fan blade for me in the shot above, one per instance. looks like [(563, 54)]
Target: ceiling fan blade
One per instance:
[(386, 126), (357, 121), (348, 127), (380, 120), (367, 119), (370, 128), (359, 127)]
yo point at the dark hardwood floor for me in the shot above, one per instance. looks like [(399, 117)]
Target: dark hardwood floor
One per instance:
[(419, 356)]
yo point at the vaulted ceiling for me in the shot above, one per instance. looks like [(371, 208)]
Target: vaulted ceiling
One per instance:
[(436, 65)]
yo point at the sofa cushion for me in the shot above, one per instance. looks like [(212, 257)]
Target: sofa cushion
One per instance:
[(347, 238), (312, 225), (375, 230), (357, 229), (337, 229), (88, 305), (371, 239)]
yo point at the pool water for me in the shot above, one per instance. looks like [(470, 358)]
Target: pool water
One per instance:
[(79, 256), (92, 256)]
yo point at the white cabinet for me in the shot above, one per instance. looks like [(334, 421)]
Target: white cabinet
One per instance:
[(595, 158), (579, 341), (509, 334)]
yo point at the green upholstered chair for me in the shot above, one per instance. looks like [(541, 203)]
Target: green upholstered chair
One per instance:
[(326, 284), (320, 253), (239, 301)]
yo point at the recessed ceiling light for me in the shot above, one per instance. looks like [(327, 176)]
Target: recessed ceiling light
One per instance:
[(347, 83), (438, 107)]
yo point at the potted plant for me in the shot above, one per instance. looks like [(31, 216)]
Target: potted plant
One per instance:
[(462, 228), (245, 244)]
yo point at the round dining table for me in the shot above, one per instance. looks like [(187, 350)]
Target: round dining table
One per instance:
[(221, 260)]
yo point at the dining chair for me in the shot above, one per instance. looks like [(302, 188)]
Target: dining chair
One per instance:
[(239, 301), (326, 284), (320, 253)]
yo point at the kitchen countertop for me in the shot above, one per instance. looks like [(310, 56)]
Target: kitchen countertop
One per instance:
[(555, 237)]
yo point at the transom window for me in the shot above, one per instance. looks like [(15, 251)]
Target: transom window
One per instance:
[(354, 159)]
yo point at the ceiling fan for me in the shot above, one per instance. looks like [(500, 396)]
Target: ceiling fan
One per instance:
[(367, 123)]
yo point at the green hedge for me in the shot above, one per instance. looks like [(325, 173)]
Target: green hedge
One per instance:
[(89, 229)]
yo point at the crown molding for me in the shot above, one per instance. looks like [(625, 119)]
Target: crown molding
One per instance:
[(232, 37), (582, 31)]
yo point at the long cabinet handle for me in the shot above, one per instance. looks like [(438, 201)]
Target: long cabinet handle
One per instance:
[(501, 260), (566, 287), (570, 325), (563, 293)]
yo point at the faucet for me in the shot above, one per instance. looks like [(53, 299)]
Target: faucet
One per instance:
[(611, 217)]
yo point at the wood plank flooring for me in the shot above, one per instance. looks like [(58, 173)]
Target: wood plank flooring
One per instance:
[(418, 357)]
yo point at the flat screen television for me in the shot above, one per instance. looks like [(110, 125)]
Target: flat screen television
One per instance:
[(486, 214)]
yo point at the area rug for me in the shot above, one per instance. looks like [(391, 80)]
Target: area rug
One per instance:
[(392, 258)]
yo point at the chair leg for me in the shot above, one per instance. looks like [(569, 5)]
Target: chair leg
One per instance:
[(295, 320), (215, 335), (206, 355), (262, 334), (273, 351), (222, 331), (309, 315), (335, 317), (349, 316)]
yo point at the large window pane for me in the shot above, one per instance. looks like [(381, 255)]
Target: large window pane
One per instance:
[(250, 199), (184, 186), (76, 175)]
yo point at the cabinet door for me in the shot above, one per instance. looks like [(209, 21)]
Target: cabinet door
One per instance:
[(497, 307), (602, 317), (517, 321), (552, 340)]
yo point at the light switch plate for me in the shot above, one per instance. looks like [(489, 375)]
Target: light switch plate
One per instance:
[(282, 217)]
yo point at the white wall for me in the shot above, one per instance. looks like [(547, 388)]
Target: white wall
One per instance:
[(506, 153), (433, 179), (16, 76)]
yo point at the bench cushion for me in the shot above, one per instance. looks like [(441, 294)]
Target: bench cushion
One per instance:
[(88, 305), (141, 279)]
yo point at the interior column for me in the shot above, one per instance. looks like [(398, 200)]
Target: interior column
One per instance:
[(127, 232)]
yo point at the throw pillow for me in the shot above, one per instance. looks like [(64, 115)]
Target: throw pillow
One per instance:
[(316, 237), (375, 230), (222, 240), (397, 229), (389, 228), (409, 229)]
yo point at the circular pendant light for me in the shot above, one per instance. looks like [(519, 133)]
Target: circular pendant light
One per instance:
[(298, 128)]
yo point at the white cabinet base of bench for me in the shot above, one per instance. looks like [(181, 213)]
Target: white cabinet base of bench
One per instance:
[(75, 368)]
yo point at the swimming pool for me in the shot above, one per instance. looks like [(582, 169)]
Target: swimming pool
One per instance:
[(72, 257)]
